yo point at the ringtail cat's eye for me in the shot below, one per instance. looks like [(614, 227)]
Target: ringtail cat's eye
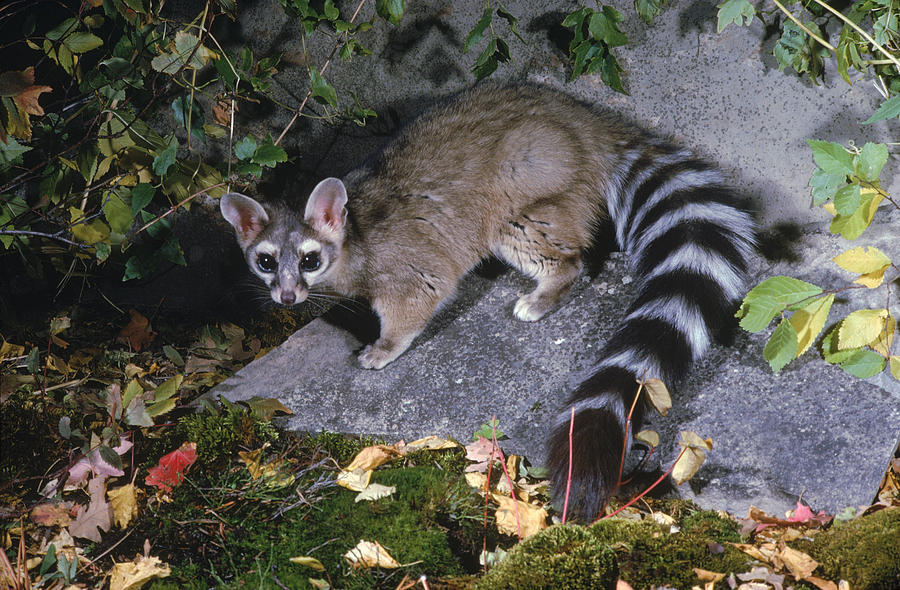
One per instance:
[(266, 263), (310, 262)]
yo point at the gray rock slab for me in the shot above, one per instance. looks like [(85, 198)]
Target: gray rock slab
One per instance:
[(811, 431)]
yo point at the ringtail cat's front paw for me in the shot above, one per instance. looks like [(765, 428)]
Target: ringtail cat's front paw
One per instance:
[(532, 307), (375, 356)]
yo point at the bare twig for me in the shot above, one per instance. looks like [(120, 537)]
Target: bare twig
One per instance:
[(306, 98), (179, 204), (40, 234)]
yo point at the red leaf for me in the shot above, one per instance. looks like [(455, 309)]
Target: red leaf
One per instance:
[(137, 333), (20, 86), (171, 468), (803, 514)]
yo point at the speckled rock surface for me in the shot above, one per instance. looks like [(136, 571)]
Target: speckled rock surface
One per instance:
[(812, 430)]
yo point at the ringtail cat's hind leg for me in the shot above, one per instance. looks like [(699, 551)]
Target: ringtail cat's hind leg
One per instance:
[(545, 242)]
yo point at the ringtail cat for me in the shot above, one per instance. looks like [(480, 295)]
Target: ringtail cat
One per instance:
[(529, 175)]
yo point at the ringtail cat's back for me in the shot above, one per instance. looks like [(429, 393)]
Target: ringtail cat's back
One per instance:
[(529, 175)]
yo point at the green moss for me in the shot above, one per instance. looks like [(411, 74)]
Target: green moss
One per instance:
[(865, 551), (707, 523), (415, 525), (220, 436), (649, 554), (341, 447), (562, 556)]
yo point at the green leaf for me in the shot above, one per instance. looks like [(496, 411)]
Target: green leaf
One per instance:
[(888, 110), (266, 408), (268, 154), (847, 199), (171, 250), (245, 148), (477, 32), (604, 27), (755, 315), (511, 21), (489, 430), (102, 251), (164, 160), (871, 159), (576, 19), (86, 162), (487, 62), (139, 6), (609, 73), (322, 91), (650, 9), (141, 195), (188, 111), (158, 408), (825, 185), (795, 48), (735, 11), (864, 363), (847, 52), (117, 210), (249, 168), (173, 355), (110, 456), (782, 346), (853, 225), (831, 157), (11, 152), (784, 290), (62, 28), (81, 42), (168, 388), (391, 10), (132, 390)]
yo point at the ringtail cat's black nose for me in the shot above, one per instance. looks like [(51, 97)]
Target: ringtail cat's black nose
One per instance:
[(288, 298)]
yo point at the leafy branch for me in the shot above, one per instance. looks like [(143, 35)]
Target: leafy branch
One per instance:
[(91, 173)]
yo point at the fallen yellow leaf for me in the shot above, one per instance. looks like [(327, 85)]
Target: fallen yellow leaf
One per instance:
[(432, 443), (476, 480), (356, 480), (374, 491), (372, 457), (370, 554), (798, 563), (124, 504), (708, 576), (132, 575), (308, 562), (515, 517)]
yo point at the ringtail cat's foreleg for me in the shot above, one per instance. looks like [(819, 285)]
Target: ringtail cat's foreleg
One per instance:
[(402, 317)]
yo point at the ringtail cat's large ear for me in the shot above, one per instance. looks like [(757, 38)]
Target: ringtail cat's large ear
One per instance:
[(325, 210), (246, 216)]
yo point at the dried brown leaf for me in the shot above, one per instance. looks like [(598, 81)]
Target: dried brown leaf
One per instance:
[(137, 333)]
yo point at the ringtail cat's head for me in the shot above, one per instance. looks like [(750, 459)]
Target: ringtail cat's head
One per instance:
[(292, 255)]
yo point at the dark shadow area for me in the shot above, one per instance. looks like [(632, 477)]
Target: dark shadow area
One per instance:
[(427, 33), (699, 17), (779, 242)]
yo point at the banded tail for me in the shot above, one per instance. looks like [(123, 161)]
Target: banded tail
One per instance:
[(688, 244)]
